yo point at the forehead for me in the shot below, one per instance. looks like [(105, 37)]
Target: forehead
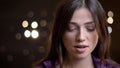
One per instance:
[(81, 15)]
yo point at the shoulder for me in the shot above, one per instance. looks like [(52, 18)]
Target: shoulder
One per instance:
[(113, 64), (110, 63), (45, 64)]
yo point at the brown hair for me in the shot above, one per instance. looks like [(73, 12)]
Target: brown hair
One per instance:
[(63, 15)]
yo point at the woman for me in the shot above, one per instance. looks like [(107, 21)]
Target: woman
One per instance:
[(79, 37)]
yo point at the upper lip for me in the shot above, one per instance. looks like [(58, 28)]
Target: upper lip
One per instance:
[(80, 46)]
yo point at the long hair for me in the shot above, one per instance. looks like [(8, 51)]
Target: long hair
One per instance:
[(57, 51)]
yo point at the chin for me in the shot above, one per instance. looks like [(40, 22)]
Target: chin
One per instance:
[(82, 56)]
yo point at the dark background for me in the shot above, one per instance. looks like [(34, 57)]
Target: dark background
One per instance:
[(16, 51)]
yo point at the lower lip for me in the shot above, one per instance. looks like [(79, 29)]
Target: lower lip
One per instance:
[(81, 50)]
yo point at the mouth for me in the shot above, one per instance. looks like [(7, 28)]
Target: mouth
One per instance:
[(80, 48)]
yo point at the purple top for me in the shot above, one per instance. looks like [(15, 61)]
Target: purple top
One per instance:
[(48, 64)]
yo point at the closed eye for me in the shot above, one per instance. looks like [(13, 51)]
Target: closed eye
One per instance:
[(90, 26), (72, 27), (90, 29)]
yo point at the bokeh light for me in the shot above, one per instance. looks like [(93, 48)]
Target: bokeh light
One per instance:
[(34, 24), (18, 36), (109, 29), (25, 24), (35, 34), (110, 20), (27, 33), (110, 14), (43, 23), (10, 58), (25, 52)]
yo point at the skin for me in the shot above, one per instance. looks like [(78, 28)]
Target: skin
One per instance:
[(81, 31)]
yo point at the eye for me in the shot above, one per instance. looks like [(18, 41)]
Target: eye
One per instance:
[(90, 27), (72, 27)]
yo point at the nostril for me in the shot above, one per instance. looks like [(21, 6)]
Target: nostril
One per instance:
[(79, 39)]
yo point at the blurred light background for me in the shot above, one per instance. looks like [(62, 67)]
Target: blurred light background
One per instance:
[(25, 28)]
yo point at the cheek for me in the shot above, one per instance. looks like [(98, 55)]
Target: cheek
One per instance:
[(68, 38), (93, 38)]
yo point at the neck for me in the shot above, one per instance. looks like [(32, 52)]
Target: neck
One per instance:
[(71, 62)]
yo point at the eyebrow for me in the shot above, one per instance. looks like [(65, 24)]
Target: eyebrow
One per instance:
[(91, 22), (74, 23)]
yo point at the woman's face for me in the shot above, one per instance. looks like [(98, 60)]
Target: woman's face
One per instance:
[(80, 37)]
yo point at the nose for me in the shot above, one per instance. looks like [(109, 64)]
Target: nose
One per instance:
[(80, 36)]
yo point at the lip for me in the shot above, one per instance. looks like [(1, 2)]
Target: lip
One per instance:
[(80, 48)]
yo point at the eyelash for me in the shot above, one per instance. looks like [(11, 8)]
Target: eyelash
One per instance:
[(72, 28), (89, 29)]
